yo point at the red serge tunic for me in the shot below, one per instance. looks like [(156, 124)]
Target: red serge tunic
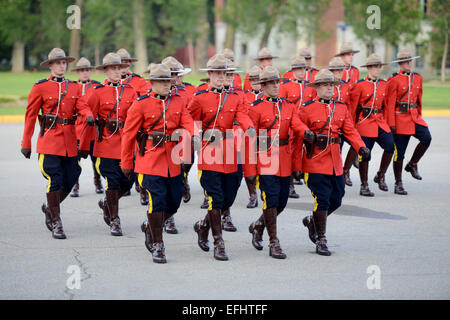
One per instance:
[(398, 85), (204, 106), (160, 160), (315, 114), (80, 125), (62, 140), (364, 94), (102, 101)]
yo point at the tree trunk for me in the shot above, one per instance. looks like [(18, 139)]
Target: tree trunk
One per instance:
[(202, 41), (444, 55), (75, 40), (191, 53), (388, 55), (139, 36), (18, 56), (265, 38), (229, 37)]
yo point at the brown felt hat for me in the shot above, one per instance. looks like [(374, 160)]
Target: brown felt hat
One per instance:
[(112, 59), (217, 62), (160, 72), (336, 64), (173, 64), (269, 73), (265, 53), (298, 62), (373, 60), (83, 63), (123, 53), (346, 48), (228, 53), (305, 52), (404, 55), (56, 54), (323, 76), (254, 72)]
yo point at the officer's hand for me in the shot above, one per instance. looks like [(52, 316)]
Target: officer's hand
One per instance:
[(393, 130), (26, 152), (251, 132), (197, 142), (364, 152), (128, 173), (83, 153), (308, 136), (90, 121)]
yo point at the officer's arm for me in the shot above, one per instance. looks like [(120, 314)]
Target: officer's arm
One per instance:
[(133, 122), (351, 133), (195, 109), (243, 118), (419, 98), (391, 97), (34, 104), (355, 95), (249, 165), (88, 131), (82, 106)]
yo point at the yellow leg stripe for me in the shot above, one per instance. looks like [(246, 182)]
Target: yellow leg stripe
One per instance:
[(395, 152), (257, 182), (316, 204), (306, 176), (140, 179), (210, 199), (360, 159), (41, 166), (97, 165), (79, 163), (199, 174), (264, 198), (150, 202)]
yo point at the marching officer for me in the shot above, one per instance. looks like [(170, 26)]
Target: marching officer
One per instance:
[(217, 109), (60, 100), (351, 73), (237, 81), (109, 103), (153, 120), (83, 69), (250, 171), (274, 118), (310, 71), (322, 162), (405, 97), (127, 77), (296, 91), (265, 58), (370, 110)]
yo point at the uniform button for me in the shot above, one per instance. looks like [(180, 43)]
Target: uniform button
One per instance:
[(210, 110), (231, 110), (177, 112), (153, 116), (221, 117), (50, 97)]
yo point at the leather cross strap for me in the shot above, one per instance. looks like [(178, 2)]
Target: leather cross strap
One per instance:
[(62, 97), (161, 115), (409, 87), (329, 118), (117, 102), (217, 113), (276, 117)]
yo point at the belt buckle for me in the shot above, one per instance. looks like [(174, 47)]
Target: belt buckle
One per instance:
[(65, 121)]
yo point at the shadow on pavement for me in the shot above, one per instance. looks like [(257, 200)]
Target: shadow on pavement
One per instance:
[(349, 210)]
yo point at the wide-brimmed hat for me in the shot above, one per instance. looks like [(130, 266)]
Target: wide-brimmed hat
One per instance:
[(112, 59), (404, 55), (305, 52), (149, 68), (265, 53), (269, 73), (254, 72), (160, 72), (347, 47), (185, 71), (336, 64), (123, 53), (228, 53), (56, 54), (217, 62), (82, 64), (173, 64), (373, 60), (231, 67), (298, 62), (323, 76)]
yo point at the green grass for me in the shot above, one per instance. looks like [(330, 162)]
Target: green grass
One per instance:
[(14, 89)]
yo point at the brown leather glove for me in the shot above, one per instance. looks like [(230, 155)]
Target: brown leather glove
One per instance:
[(26, 152)]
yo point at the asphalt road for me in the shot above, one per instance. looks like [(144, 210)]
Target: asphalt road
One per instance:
[(404, 240)]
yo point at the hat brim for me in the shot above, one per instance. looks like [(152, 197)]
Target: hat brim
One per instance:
[(373, 64), (345, 52), (405, 59), (185, 71), (271, 79), (160, 79), (214, 69), (336, 68), (46, 63), (266, 57), (83, 68), (297, 66), (316, 83), (103, 66)]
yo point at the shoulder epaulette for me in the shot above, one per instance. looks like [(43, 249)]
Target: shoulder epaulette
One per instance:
[(307, 102), (200, 92), (284, 99), (254, 103), (285, 81), (136, 75), (359, 80), (417, 73), (95, 82), (41, 81), (188, 84), (338, 101), (142, 97), (314, 69), (99, 86), (394, 74), (246, 91)]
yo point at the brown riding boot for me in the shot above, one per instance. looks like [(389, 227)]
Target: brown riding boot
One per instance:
[(45, 209), (257, 230), (227, 223), (253, 201), (53, 200), (270, 220), (397, 165), (351, 157), (205, 203), (363, 174), (412, 164), (156, 221), (169, 226), (97, 181), (202, 229), (308, 223), (384, 164), (112, 200), (216, 229), (320, 223), (187, 188), (75, 190)]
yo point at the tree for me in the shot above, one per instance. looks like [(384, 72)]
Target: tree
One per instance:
[(440, 21), (75, 39), (139, 36), (17, 23)]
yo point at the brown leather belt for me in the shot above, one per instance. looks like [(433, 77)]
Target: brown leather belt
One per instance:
[(164, 137), (65, 121), (403, 107), (366, 110), (223, 135)]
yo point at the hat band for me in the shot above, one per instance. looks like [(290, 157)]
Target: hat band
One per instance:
[(155, 77), (83, 67), (270, 78), (57, 57), (324, 80), (112, 62), (217, 67), (298, 66), (336, 67), (403, 58)]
